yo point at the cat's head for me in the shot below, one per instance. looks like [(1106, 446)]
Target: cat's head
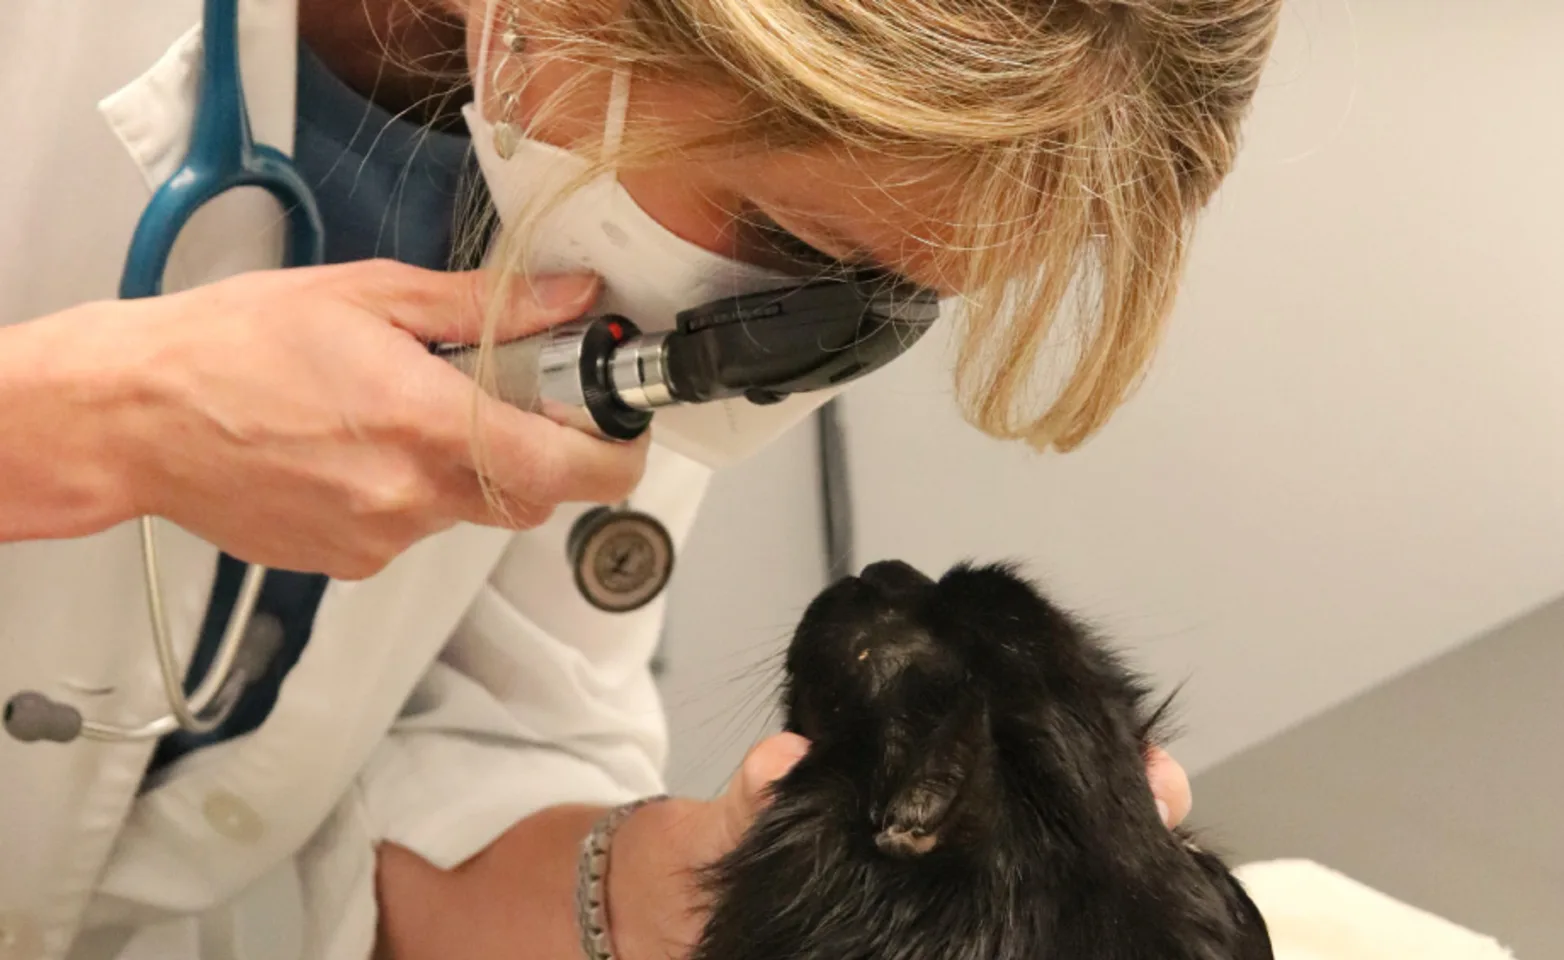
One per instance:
[(975, 788)]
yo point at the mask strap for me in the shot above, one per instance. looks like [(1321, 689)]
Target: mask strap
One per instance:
[(618, 108)]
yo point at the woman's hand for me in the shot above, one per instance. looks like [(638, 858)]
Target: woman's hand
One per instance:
[(296, 419), (661, 846), (1170, 787), (516, 898)]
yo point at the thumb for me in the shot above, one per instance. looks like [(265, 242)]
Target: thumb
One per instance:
[(747, 792), (454, 307), (1169, 786)]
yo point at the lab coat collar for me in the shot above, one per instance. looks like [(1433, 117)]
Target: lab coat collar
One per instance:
[(152, 115)]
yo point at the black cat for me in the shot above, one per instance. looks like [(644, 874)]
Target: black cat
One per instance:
[(976, 790)]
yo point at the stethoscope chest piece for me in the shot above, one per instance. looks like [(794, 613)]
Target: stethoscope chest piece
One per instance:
[(622, 558)]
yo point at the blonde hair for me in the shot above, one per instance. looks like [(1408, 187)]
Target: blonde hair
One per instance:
[(1080, 138)]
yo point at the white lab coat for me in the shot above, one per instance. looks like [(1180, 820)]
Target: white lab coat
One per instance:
[(438, 702)]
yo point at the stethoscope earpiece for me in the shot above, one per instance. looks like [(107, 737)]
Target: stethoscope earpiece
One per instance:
[(30, 717)]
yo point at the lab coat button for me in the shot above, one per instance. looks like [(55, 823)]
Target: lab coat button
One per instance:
[(232, 817), (19, 938)]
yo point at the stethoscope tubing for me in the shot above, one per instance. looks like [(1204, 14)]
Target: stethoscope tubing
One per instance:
[(223, 156), (216, 690)]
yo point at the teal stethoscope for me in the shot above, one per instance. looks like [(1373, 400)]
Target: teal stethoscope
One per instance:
[(222, 156)]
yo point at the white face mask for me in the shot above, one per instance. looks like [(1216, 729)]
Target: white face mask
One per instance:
[(649, 274)]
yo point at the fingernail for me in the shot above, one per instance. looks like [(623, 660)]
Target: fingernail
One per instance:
[(563, 290), (1165, 813)]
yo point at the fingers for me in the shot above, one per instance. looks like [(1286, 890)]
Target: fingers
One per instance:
[(453, 307), (768, 762), (692, 834), (1170, 786), (532, 462)]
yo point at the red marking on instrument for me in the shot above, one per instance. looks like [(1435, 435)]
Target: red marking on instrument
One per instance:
[(617, 331)]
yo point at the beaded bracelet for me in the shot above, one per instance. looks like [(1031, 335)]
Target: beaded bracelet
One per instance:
[(597, 940)]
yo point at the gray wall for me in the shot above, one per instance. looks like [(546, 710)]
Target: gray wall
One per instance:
[(754, 560)]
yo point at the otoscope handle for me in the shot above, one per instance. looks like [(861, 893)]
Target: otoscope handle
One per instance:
[(604, 377), (563, 373)]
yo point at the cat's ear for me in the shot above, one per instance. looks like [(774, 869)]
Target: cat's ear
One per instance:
[(925, 804)]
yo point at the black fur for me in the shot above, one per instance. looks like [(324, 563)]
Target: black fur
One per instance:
[(976, 790)]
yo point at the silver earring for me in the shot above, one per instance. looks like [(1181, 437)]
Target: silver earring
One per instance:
[(512, 38), (507, 134)]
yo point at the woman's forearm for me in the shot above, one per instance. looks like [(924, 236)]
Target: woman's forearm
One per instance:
[(515, 899), (63, 392)]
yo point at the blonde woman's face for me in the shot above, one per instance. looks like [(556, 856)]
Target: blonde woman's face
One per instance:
[(782, 209)]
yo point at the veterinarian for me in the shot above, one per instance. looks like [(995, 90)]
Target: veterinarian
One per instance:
[(443, 713)]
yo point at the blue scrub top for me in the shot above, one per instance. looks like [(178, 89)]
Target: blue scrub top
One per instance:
[(387, 188)]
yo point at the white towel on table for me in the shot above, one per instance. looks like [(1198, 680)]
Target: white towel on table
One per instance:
[(1315, 913)]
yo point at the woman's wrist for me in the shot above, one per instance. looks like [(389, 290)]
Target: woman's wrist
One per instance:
[(522, 889), (654, 900), (67, 389)]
